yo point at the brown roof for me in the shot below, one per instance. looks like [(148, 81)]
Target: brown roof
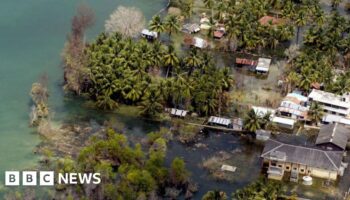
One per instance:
[(218, 34), (267, 20), (244, 61)]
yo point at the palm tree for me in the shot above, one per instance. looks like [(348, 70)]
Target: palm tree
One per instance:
[(192, 61), (315, 113), (209, 4), (170, 59), (151, 102), (156, 25), (300, 22), (215, 195), (335, 3), (172, 24), (252, 121), (105, 102)]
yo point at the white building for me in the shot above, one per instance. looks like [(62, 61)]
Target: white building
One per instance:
[(149, 34), (284, 122), (294, 105), (332, 104), (263, 65), (199, 43)]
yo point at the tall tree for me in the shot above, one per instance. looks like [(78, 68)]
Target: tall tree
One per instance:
[(129, 21), (315, 113), (156, 24), (172, 24)]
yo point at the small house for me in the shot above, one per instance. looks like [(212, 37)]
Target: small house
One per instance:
[(178, 113), (263, 65), (199, 43), (191, 28), (218, 34), (150, 35), (281, 158), (333, 137), (294, 105), (284, 122), (219, 121), (243, 61)]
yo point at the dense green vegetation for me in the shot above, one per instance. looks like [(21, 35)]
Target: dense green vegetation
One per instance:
[(261, 189), (120, 72), (128, 172), (324, 56)]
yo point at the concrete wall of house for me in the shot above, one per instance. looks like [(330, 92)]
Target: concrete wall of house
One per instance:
[(321, 173), (305, 170)]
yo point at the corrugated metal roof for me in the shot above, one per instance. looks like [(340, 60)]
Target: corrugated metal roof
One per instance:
[(263, 65), (336, 134), (329, 160), (219, 120)]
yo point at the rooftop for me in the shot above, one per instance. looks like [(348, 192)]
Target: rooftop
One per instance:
[(199, 42), (149, 33), (330, 98), (336, 134), (269, 20), (329, 160), (219, 120), (263, 65)]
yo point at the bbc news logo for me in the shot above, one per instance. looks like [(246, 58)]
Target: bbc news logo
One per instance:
[(49, 178)]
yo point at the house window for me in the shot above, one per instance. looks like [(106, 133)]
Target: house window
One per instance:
[(302, 170), (287, 168), (279, 165)]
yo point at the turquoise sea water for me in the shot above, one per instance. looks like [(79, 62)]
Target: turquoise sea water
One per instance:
[(32, 35)]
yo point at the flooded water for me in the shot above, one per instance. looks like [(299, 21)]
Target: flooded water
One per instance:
[(32, 35)]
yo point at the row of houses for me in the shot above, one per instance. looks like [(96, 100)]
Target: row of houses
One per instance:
[(295, 107)]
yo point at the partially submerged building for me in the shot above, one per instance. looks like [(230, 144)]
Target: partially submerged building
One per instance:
[(332, 104), (220, 121), (294, 105), (281, 158), (178, 112), (191, 28), (333, 137), (199, 43), (284, 122), (150, 35), (263, 65), (240, 62)]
